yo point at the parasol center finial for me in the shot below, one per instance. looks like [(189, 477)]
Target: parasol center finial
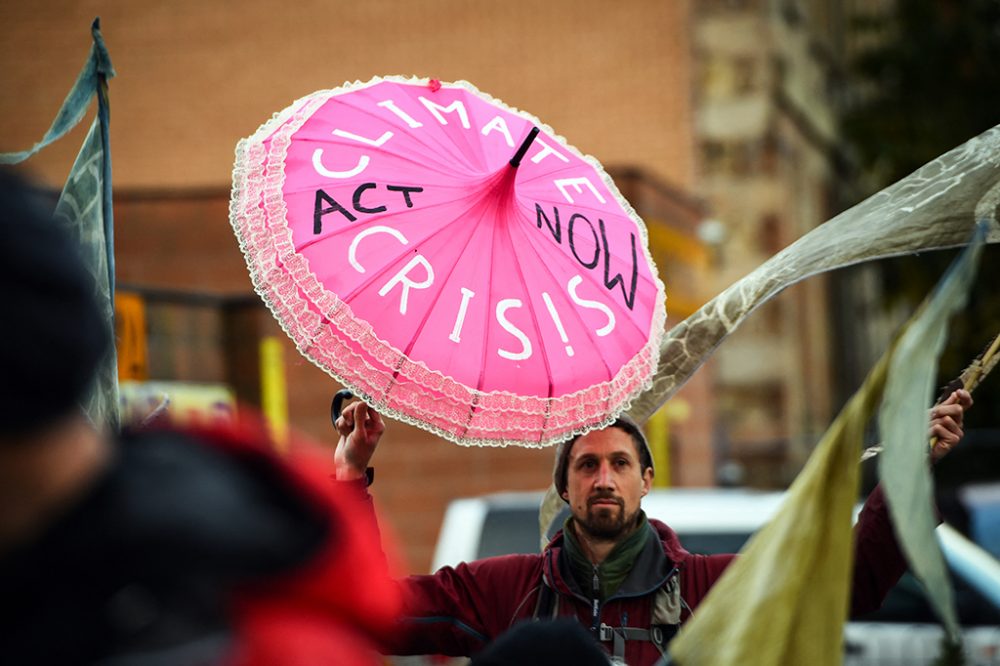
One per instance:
[(519, 155)]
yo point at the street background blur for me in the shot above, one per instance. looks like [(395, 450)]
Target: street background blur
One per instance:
[(732, 126)]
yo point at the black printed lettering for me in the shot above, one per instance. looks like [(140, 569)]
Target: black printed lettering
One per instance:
[(357, 199), (609, 282), (406, 192), (570, 231), (556, 230), (319, 211)]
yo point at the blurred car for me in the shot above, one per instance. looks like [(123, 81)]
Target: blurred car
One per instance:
[(904, 631), (982, 504)]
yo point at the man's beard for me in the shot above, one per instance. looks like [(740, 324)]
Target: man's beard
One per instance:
[(606, 523)]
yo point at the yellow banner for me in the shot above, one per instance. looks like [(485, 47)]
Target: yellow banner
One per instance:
[(130, 334), (658, 429), (273, 392)]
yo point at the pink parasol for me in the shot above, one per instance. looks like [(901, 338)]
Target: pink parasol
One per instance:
[(450, 260)]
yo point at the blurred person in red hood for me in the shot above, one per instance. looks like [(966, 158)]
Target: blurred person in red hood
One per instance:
[(162, 546)]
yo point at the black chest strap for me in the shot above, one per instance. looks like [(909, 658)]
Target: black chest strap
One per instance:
[(659, 635)]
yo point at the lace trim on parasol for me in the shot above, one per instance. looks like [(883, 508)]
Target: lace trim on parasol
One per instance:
[(349, 350)]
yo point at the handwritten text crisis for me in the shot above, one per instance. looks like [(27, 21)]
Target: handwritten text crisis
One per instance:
[(586, 238)]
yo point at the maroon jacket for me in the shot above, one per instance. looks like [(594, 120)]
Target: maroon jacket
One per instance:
[(457, 611)]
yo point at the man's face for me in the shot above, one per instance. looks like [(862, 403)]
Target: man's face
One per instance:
[(605, 483)]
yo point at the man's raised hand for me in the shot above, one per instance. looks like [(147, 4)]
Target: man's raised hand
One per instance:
[(360, 429), (946, 422)]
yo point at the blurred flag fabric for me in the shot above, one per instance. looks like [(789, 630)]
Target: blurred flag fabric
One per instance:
[(933, 208), (785, 599), (903, 465), (85, 204)]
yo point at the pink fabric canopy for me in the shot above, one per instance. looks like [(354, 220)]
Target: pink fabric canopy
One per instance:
[(388, 231)]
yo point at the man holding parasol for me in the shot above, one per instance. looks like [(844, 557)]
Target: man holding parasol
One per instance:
[(508, 298), (624, 576)]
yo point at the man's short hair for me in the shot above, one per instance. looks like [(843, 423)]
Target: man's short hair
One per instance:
[(623, 423)]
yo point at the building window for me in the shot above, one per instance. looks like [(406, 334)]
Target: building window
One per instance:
[(713, 157), (744, 75), (712, 6), (769, 238)]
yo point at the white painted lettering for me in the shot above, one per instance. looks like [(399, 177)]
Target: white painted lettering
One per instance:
[(402, 277), (498, 124), (545, 152), (437, 110), (343, 134), (352, 251), (575, 183), (525, 352), (558, 322), (323, 171), (593, 305), (399, 113), (456, 332)]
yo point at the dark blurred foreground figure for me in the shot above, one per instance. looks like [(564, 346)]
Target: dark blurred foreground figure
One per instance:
[(548, 643), (158, 547)]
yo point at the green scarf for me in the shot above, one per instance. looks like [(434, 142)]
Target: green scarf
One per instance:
[(613, 570)]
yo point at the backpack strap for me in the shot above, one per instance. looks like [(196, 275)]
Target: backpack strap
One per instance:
[(547, 606), (666, 620), (666, 614), (667, 602), (659, 635)]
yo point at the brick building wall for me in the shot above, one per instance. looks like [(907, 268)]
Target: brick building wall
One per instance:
[(194, 77), (768, 165)]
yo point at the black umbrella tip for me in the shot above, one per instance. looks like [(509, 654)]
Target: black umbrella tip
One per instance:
[(519, 155)]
